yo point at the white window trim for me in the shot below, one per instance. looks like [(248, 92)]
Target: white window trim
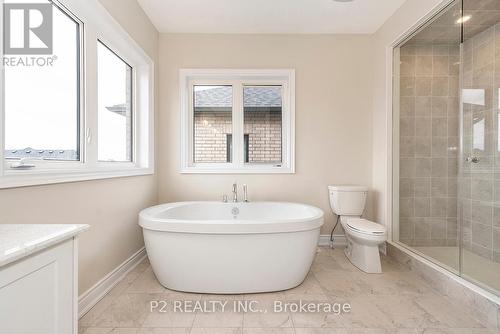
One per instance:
[(97, 24), (189, 77)]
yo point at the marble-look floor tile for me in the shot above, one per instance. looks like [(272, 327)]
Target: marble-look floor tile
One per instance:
[(94, 313), (218, 319), (127, 310), (396, 283), (95, 330), (456, 331), (309, 286), (164, 331), (404, 312), (321, 331), (394, 302), (382, 331), (342, 283), (146, 282), (364, 313), (317, 320), (445, 312), (267, 319), (216, 331), (307, 298), (90, 317), (268, 331)]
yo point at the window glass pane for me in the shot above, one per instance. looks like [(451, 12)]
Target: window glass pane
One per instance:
[(213, 129), (42, 99), (262, 124), (115, 106)]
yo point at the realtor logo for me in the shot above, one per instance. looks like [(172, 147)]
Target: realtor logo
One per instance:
[(28, 29)]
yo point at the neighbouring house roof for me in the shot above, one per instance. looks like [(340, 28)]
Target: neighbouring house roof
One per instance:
[(120, 109), (255, 99), (49, 154)]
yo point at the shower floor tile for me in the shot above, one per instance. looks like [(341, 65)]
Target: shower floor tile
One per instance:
[(396, 301), (475, 267)]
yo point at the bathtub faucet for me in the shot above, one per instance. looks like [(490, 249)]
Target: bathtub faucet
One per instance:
[(245, 193), (235, 192)]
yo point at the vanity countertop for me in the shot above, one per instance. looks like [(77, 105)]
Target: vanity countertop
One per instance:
[(20, 240)]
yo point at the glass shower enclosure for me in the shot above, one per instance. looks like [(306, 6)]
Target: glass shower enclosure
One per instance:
[(446, 149)]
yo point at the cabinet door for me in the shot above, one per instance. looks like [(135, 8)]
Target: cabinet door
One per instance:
[(37, 293)]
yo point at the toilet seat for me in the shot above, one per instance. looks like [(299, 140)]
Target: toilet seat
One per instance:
[(364, 226)]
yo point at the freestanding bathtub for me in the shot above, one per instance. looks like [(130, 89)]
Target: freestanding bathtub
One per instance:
[(226, 248)]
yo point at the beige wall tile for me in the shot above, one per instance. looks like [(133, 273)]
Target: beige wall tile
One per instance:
[(407, 106), (407, 66), (440, 86), (423, 65), (440, 65), (439, 106), (422, 187), (422, 206), (423, 126), (423, 86)]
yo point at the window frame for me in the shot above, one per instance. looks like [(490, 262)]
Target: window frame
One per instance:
[(238, 78), (96, 25)]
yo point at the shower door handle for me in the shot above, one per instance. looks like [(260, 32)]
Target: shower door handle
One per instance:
[(474, 160)]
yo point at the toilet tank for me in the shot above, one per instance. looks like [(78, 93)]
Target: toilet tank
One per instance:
[(348, 200)]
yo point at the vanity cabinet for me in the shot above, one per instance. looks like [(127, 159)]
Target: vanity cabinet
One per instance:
[(38, 292)]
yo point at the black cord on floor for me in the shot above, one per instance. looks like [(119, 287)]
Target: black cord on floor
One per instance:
[(333, 229)]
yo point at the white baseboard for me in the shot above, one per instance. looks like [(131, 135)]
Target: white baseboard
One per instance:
[(338, 240), (92, 296)]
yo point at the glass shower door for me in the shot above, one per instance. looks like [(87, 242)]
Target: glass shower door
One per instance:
[(479, 179), (447, 166), (427, 67)]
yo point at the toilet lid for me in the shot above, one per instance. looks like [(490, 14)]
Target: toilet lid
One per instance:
[(365, 226)]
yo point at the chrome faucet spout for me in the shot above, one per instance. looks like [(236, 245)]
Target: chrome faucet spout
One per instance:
[(235, 192), (245, 193)]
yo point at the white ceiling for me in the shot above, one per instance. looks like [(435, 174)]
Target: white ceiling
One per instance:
[(269, 16)]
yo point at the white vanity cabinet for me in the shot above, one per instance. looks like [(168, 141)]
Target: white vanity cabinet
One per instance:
[(38, 287)]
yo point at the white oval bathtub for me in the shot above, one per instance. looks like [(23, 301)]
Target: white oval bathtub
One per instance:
[(215, 247)]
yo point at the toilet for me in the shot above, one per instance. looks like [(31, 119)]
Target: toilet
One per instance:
[(363, 236)]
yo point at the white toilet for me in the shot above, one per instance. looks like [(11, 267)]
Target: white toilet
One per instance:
[(363, 236)]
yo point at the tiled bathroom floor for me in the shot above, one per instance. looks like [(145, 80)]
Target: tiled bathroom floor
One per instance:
[(396, 301)]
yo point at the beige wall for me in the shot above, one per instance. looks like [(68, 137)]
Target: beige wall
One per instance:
[(109, 206), (333, 113), (399, 23)]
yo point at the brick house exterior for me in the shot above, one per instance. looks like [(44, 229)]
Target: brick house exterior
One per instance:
[(262, 124)]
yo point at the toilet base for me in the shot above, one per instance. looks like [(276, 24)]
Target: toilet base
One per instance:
[(365, 257)]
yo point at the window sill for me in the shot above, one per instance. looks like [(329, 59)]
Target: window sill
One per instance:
[(233, 170), (14, 179)]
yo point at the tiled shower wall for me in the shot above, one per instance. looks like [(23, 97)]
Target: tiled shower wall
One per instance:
[(429, 111), (479, 183)]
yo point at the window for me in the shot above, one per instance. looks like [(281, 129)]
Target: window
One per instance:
[(79, 109), (41, 102), (213, 106), (237, 121), (114, 82), (262, 108)]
